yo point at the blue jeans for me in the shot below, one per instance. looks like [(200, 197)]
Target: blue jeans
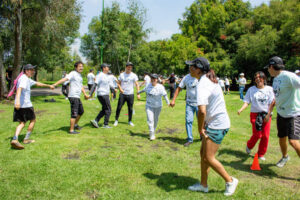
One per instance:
[(189, 118), (241, 89)]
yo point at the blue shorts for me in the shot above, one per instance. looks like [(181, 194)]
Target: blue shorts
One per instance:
[(216, 135)]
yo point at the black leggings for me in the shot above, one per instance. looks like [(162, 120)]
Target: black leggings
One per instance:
[(65, 90), (122, 99), (106, 109)]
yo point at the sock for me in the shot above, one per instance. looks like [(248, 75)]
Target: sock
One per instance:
[(15, 138), (27, 135)]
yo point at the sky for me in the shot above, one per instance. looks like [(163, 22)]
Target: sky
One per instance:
[(162, 16)]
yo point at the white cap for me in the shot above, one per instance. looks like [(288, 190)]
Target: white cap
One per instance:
[(297, 71), (242, 74)]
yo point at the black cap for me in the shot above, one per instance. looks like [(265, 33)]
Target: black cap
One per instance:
[(201, 63), (154, 76), (275, 61), (129, 64), (29, 66), (104, 65)]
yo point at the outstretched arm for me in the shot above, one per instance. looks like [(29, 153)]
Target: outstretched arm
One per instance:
[(267, 117), (167, 99), (137, 89), (60, 81), (244, 106), (83, 91), (44, 85), (172, 104)]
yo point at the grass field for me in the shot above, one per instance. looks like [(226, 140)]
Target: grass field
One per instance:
[(121, 163)]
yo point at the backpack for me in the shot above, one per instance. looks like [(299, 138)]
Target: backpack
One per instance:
[(13, 89)]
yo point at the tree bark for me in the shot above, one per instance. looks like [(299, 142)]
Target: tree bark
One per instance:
[(129, 52), (3, 89), (18, 40)]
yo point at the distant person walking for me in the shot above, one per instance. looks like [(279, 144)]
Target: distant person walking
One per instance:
[(114, 81), (213, 124), (227, 85), (242, 83), (222, 84), (91, 79), (262, 100), (23, 110), (172, 85), (126, 83), (147, 79), (286, 86), (65, 86), (154, 92)]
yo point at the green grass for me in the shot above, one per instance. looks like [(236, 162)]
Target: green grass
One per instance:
[(121, 163)]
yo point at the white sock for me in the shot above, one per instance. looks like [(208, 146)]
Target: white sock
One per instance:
[(27, 135)]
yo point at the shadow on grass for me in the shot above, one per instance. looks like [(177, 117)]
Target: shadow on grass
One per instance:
[(133, 134), (176, 140), (239, 165), (171, 181)]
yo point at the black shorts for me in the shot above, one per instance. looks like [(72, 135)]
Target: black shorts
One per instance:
[(90, 86), (289, 127), (227, 87), (76, 107), (23, 114)]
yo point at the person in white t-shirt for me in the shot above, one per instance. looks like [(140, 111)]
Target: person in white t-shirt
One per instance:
[(76, 88), (261, 98), (190, 83), (242, 84), (114, 81), (213, 124), (154, 92), (147, 79), (91, 79), (126, 83), (23, 110), (103, 84), (65, 87), (222, 84), (286, 86), (227, 85)]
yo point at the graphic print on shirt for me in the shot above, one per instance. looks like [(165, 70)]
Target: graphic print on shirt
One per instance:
[(276, 87), (261, 97)]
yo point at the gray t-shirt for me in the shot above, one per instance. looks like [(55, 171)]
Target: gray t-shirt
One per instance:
[(154, 94), (191, 89), (127, 82), (25, 83), (75, 79)]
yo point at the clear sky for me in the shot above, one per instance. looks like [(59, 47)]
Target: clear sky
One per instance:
[(162, 15)]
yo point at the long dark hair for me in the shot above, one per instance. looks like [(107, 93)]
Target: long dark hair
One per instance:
[(212, 76), (261, 75)]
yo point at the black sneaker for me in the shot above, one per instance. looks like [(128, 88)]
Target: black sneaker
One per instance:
[(74, 132), (77, 127)]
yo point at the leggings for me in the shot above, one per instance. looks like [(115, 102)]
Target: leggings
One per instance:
[(106, 109), (122, 99)]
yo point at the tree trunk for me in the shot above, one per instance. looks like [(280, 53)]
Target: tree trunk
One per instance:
[(129, 51), (18, 40), (3, 88)]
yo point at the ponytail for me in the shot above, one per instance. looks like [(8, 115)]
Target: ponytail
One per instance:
[(212, 76)]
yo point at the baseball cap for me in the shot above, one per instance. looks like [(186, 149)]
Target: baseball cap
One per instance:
[(104, 65), (129, 64), (29, 66), (274, 61), (154, 76), (201, 63), (242, 74), (297, 71)]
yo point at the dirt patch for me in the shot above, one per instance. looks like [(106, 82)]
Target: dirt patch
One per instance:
[(139, 146), (106, 147), (155, 146), (1, 111), (40, 112), (175, 148), (168, 130), (72, 156), (8, 102), (92, 194)]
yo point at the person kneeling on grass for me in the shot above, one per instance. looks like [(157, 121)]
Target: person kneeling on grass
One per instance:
[(213, 124), (262, 102), (154, 92), (103, 84), (23, 110), (76, 88)]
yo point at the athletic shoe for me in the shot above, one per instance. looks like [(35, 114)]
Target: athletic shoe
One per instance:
[(197, 187), (16, 144), (94, 123), (262, 158), (77, 127), (66, 98), (230, 187), (130, 123), (152, 137), (74, 132), (27, 141), (248, 151), (188, 144), (283, 161), (106, 126), (116, 123)]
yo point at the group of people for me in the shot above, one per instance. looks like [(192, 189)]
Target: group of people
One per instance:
[(204, 97)]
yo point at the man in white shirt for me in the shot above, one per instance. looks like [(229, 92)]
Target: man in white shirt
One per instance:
[(286, 86), (126, 83), (76, 88), (242, 83), (190, 83), (23, 110), (227, 85), (147, 80), (91, 79), (114, 81)]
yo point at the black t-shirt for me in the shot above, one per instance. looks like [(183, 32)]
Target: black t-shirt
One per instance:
[(172, 79)]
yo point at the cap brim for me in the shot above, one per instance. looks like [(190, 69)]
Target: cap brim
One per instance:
[(189, 62), (266, 67)]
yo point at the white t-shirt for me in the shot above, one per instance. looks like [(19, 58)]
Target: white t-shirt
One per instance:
[(191, 89), (147, 80), (25, 83), (154, 95), (104, 83), (286, 88), (221, 83), (211, 95), (91, 78), (114, 80), (127, 82), (260, 99), (242, 82), (75, 79), (227, 81)]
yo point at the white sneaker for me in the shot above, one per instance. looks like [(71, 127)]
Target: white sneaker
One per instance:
[(262, 158), (152, 136), (116, 123), (94, 123), (106, 126), (248, 151), (198, 188), (282, 161), (130, 123), (66, 98), (230, 187)]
